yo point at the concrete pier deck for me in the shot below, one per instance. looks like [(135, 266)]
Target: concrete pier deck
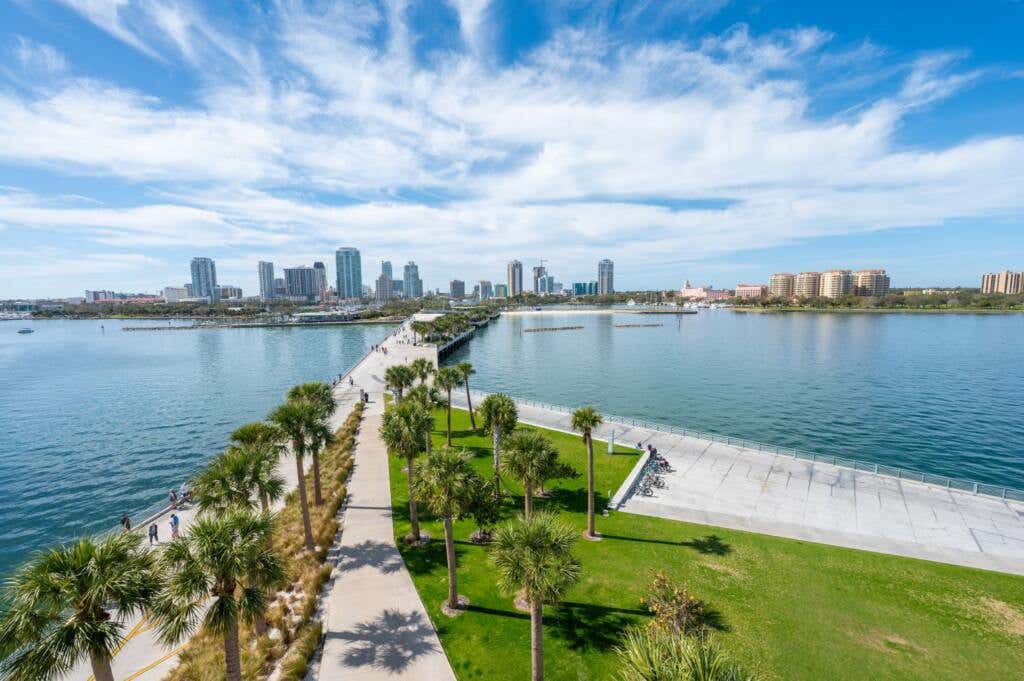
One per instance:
[(747, 489)]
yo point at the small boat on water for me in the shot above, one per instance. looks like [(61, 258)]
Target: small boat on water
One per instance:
[(26, 330)]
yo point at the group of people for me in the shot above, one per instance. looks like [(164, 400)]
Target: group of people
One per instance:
[(380, 348), (174, 523), (183, 495)]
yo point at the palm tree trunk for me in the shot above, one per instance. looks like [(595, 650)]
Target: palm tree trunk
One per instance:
[(449, 418), (449, 549), (317, 494), (303, 502), (469, 403), (537, 640), (590, 486), (528, 498), (101, 670), (427, 444), (496, 440), (232, 658), (264, 502), (414, 518)]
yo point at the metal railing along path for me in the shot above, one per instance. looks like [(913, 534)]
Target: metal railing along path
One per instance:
[(959, 484)]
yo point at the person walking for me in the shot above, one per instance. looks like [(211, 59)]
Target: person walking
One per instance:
[(173, 498), (174, 526), (154, 534), (126, 523)]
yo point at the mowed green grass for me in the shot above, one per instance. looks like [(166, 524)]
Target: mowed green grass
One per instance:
[(786, 609)]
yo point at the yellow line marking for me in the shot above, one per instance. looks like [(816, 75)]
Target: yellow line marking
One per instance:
[(150, 666)]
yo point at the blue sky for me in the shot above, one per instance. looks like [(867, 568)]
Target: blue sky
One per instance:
[(712, 141)]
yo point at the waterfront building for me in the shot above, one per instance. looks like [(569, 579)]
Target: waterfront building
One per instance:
[(228, 291), (545, 285), (385, 268), (687, 290), (539, 273), (349, 273), (835, 283), (751, 290), (266, 274), (98, 296), (1003, 282), (457, 289), (579, 288), (174, 294), (412, 284), (501, 290), (486, 290), (321, 280), (782, 285), (204, 279), (385, 288), (301, 282), (280, 288), (397, 288), (807, 285), (515, 278), (606, 277), (871, 283), (719, 294)]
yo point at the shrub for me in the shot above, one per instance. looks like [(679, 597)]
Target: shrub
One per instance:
[(674, 608)]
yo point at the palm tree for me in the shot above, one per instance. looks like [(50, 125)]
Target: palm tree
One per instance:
[(466, 370), (422, 368), (294, 419), (403, 428), (445, 483), (399, 377), (73, 602), (225, 558), (258, 433), (500, 416), (236, 476), (534, 556), (428, 397), (529, 458), (448, 379), (319, 433), (584, 420), (420, 329)]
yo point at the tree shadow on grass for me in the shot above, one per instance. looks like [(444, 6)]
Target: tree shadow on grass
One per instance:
[(710, 544), (642, 540), (425, 559), (585, 626), (500, 613)]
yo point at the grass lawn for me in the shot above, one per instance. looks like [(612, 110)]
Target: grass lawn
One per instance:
[(786, 609)]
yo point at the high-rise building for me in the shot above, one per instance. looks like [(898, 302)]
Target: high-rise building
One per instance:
[(501, 290), (204, 279), (349, 272), (782, 285), (321, 279), (385, 287), (266, 272), (486, 290), (871, 283), (228, 291), (385, 268), (411, 282), (605, 277), (836, 283), (301, 282), (280, 287), (807, 285), (1003, 282), (457, 289), (515, 278), (751, 290), (539, 272), (172, 294), (545, 285)]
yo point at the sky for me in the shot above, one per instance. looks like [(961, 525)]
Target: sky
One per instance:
[(708, 140)]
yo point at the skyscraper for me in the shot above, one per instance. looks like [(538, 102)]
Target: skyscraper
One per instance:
[(539, 273), (807, 284), (204, 279), (385, 268), (501, 290), (321, 279), (349, 273), (266, 272), (486, 292), (605, 277), (411, 282), (301, 282), (871, 283), (385, 287), (1003, 282), (836, 283), (515, 278), (782, 285), (457, 289)]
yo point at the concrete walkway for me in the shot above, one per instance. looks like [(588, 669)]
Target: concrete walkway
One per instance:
[(746, 489)]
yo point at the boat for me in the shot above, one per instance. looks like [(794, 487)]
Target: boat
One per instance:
[(26, 330)]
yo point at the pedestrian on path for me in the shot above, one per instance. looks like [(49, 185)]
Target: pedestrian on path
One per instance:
[(126, 523), (174, 526), (173, 497), (154, 534)]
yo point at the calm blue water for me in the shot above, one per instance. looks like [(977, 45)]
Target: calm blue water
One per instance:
[(938, 393), (101, 421)]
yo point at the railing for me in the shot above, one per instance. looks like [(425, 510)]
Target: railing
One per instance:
[(959, 484)]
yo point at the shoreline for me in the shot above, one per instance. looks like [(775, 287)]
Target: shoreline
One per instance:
[(874, 310)]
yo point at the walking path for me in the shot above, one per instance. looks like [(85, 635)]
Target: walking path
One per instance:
[(746, 489)]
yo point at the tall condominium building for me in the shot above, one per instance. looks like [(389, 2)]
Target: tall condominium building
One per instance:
[(836, 283), (871, 283), (385, 268), (204, 279), (411, 282), (228, 291), (280, 287), (266, 272), (539, 273), (605, 277), (349, 273), (321, 279), (486, 290), (501, 290), (385, 287), (807, 284), (515, 278), (457, 289), (302, 282), (782, 285), (1003, 282)]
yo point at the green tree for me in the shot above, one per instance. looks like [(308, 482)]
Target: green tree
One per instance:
[(584, 420), (259, 433), (295, 419), (534, 556), (318, 434), (448, 379), (500, 416), (422, 368), (446, 482), (72, 603), (485, 509), (225, 558), (466, 370), (403, 429), (240, 474), (428, 397), (398, 377), (529, 458)]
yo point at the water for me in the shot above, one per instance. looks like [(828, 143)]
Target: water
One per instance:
[(99, 421), (938, 393)]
